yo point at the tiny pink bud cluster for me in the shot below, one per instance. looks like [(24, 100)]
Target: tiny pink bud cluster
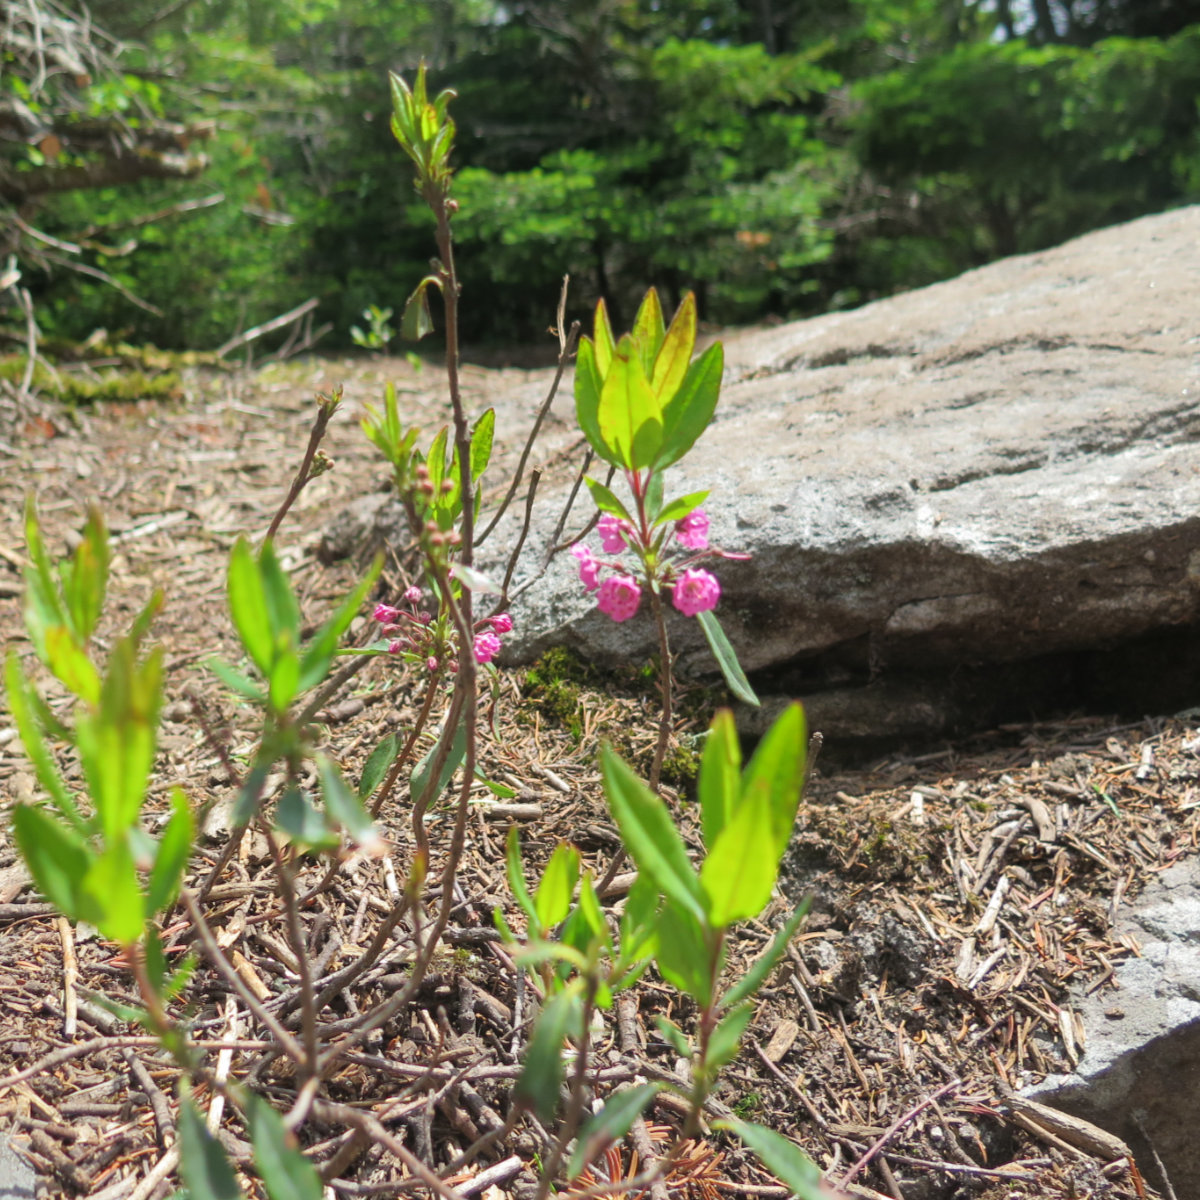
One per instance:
[(411, 633)]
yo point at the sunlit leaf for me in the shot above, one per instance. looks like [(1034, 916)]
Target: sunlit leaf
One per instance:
[(248, 606), (675, 353), (648, 329), (377, 765), (57, 856), (630, 418), (537, 1086), (552, 899), (345, 808), (170, 861), (611, 1124), (782, 1157), (726, 658), (719, 786), (686, 414), (285, 1172), (762, 966), (606, 501), (203, 1163)]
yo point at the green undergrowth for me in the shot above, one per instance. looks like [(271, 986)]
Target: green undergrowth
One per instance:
[(99, 384)]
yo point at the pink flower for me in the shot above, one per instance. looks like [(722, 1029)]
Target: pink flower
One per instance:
[(431, 663), (385, 614), (396, 646), (692, 531), (589, 568), (696, 592), (487, 646), (619, 597), (502, 623), (413, 595), (612, 538)]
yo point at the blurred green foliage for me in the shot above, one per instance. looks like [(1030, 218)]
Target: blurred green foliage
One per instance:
[(776, 157)]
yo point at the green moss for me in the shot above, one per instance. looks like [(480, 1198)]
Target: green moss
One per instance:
[(111, 385), (553, 685)]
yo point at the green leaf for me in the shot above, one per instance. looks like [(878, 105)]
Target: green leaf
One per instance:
[(684, 954), (725, 1039), (739, 870), (378, 763), (766, 962), (205, 1168), (282, 609), (630, 417), (481, 443), (649, 834), (726, 658), (249, 798), (303, 823), (538, 951), (782, 1157), (43, 602), (675, 353), (678, 509), (21, 705), (776, 771), (416, 320), (285, 1172), (648, 329), (553, 897), (603, 336), (170, 861), (538, 1085), (283, 683), (475, 580), (500, 790), (419, 785), (654, 496), (686, 415), (71, 665), (345, 808), (85, 581), (436, 461), (605, 500), (720, 784), (639, 921), (248, 606), (675, 1037), (611, 1124), (236, 681), (318, 655), (57, 857), (588, 386), (109, 896), (516, 881)]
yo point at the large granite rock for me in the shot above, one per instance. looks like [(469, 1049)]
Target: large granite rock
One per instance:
[(998, 468), (1139, 1073)]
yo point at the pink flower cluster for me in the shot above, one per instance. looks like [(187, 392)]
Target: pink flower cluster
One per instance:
[(619, 594), (412, 632)]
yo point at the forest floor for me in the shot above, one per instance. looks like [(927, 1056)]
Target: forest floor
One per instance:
[(888, 1044)]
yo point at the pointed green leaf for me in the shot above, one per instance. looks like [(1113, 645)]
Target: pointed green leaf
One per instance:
[(630, 417), (318, 655), (725, 1039), (481, 443), (654, 496), (236, 681), (109, 896), (602, 335), (649, 834), (283, 612), (605, 500), (43, 603), (588, 385), (553, 897), (86, 577), (283, 684), (648, 329), (285, 1172), (71, 665), (762, 966), (21, 704), (611, 1124), (170, 861), (421, 776), (206, 1170), (516, 881), (675, 354), (726, 658), (776, 771), (476, 580), (782, 1157), (678, 509), (250, 795), (686, 415), (345, 808), (639, 921), (303, 823), (739, 870), (416, 320), (719, 787), (248, 606), (57, 857), (435, 462), (378, 763), (538, 1085), (684, 954)]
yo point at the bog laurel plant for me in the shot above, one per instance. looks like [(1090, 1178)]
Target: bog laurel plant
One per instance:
[(642, 402)]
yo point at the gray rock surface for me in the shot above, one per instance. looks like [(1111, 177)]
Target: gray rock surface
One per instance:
[(17, 1179), (998, 467), (1139, 1076)]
